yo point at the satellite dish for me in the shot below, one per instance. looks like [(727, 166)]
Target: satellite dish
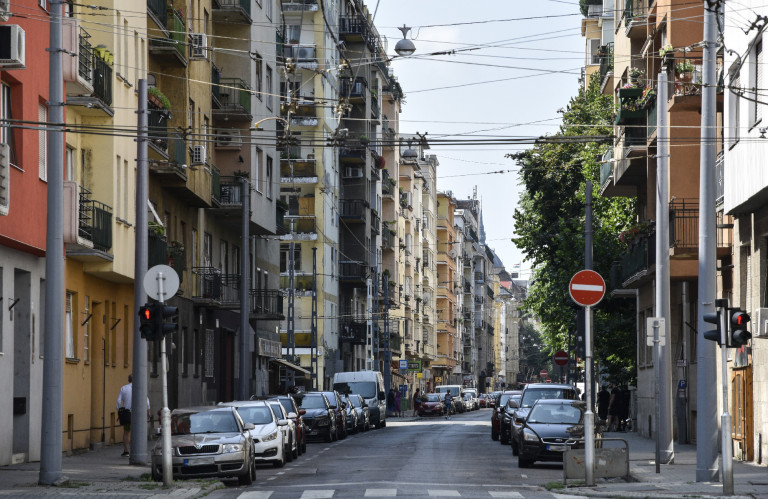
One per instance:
[(452, 253)]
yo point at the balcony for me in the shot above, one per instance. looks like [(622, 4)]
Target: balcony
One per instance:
[(687, 86), (299, 6), (353, 210), (375, 110), (171, 46), (353, 154), (354, 332), (637, 262), (87, 225), (635, 19), (355, 90), (387, 237), (353, 272), (629, 108), (94, 71), (177, 258), (171, 172), (78, 71), (302, 283), (300, 228), (215, 87), (303, 112), (387, 184), (157, 131), (684, 230), (234, 95), (158, 10), (266, 304), (157, 251), (375, 222), (606, 66), (232, 11), (298, 171), (303, 56), (353, 28)]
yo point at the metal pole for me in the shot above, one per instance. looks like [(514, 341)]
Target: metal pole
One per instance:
[(656, 386), (589, 380), (139, 454), (706, 398), (385, 343), (53, 366), (165, 413), (589, 416), (369, 324), (665, 395), (313, 346), (245, 328), (290, 324), (725, 419)]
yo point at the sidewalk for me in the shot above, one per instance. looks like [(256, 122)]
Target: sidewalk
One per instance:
[(103, 473), (674, 480)]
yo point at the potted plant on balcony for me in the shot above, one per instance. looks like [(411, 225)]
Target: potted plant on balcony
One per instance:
[(157, 98), (632, 235), (666, 53), (684, 70), (635, 75), (364, 140)]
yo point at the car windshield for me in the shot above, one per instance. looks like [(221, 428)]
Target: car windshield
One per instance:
[(467, 396), (286, 405), (365, 388), (313, 402), (555, 414), (278, 409), (256, 415), (203, 422), (531, 396), (432, 397), (355, 401)]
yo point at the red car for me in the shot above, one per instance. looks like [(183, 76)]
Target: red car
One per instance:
[(481, 400), (431, 405)]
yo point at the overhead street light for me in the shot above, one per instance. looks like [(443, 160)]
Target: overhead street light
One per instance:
[(405, 47)]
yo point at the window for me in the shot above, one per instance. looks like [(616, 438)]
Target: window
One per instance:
[(259, 156), (734, 116), (268, 9), (285, 255), (70, 326), (259, 75), (593, 54), (268, 179), (42, 144), (268, 84), (757, 79), (69, 172)]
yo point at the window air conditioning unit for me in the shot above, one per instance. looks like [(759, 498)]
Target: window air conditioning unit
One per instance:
[(229, 139), (198, 155), (5, 9), (199, 45), (350, 172), (304, 53), (11, 47), (5, 178), (761, 323)]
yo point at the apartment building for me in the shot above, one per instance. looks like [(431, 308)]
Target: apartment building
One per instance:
[(449, 346)]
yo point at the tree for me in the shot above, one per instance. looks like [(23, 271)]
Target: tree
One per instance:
[(549, 228)]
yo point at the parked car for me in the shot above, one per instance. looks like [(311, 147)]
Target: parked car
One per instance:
[(296, 415), (505, 423), (268, 443), (492, 398), (548, 428), (499, 409), (319, 418), (289, 431), (363, 412), (482, 400), (369, 384), (350, 415), (208, 442), (334, 399), (431, 405), (470, 401), (532, 393)]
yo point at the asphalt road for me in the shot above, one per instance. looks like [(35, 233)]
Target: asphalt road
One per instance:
[(429, 457)]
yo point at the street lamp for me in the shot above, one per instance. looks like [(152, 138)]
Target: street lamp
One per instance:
[(405, 47)]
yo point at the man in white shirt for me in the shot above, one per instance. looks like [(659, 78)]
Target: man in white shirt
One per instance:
[(124, 400)]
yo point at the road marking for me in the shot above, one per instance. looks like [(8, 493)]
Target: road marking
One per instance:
[(443, 493), (255, 494), (504, 493), (380, 492), (587, 287), (281, 472), (523, 476), (317, 494), (271, 478), (565, 496)]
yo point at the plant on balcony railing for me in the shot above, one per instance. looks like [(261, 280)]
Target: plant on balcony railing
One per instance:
[(156, 97), (631, 235)]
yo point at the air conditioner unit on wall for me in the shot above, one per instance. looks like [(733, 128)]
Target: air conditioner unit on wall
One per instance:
[(305, 53), (350, 172), (5, 9), (11, 47), (199, 45), (761, 323), (198, 155), (229, 138)]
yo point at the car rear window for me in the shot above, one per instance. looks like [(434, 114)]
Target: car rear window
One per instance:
[(530, 396), (555, 414), (313, 402), (203, 422), (256, 415)]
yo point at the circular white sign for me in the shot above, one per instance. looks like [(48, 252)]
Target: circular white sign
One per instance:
[(169, 278)]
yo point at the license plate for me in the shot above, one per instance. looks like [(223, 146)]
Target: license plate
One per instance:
[(556, 448), (198, 461)]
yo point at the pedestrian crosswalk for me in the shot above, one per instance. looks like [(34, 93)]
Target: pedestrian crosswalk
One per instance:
[(394, 492)]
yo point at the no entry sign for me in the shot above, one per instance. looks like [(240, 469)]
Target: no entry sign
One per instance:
[(543, 373), (587, 288), (561, 358)]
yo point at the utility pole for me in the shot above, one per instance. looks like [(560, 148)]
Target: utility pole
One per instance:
[(245, 329), (290, 318), (313, 331), (385, 343), (706, 426), (53, 366), (141, 262), (664, 401)]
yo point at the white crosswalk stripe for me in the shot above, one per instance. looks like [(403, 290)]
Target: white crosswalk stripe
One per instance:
[(565, 496), (381, 493), (255, 494), (443, 493), (505, 493), (327, 494), (317, 494)]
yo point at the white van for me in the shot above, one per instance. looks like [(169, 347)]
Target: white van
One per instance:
[(456, 390), (369, 384)]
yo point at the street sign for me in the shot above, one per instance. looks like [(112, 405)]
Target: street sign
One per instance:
[(403, 364), (587, 288), (561, 358), (170, 282), (543, 373), (414, 365), (650, 324), (438, 379)]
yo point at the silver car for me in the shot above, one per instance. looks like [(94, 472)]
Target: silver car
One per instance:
[(208, 442), (268, 441)]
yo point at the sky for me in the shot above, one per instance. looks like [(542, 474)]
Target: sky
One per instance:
[(536, 50)]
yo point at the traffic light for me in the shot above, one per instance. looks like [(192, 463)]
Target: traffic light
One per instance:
[(147, 322), (161, 312), (713, 334), (580, 348), (739, 335)]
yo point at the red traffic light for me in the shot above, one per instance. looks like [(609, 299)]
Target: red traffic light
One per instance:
[(146, 312)]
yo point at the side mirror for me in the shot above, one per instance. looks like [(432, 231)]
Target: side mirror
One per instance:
[(282, 422), (292, 415), (519, 420), (249, 426), (302, 412)]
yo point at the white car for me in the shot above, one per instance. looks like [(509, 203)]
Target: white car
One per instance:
[(289, 430), (268, 441)]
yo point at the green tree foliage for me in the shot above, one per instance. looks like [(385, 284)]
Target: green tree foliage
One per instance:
[(549, 228)]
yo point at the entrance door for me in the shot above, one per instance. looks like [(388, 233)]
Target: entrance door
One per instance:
[(741, 410)]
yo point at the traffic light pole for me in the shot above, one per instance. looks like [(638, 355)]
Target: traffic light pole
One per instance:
[(589, 416), (725, 418), (165, 414)]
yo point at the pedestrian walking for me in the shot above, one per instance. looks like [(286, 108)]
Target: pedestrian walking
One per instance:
[(603, 398), (624, 408), (416, 401), (614, 410), (398, 396), (448, 402), (391, 401), (124, 413)]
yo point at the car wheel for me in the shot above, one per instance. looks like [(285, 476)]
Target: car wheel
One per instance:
[(383, 424), (523, 463), (289, 453), (331, 433), (494, 434), (304, 444), (248, 477), (295, 451), (515, 450), (280, 462), (503, 438), (158, 477)]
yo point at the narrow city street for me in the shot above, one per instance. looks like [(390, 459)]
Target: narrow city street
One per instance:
[(426, 457)]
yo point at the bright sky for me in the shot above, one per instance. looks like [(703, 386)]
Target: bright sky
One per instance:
[(534, 47)]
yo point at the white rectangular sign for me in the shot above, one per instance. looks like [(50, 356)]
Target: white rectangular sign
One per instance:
[(650, 324)]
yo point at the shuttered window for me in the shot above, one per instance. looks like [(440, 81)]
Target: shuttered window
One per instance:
[(42, 144)]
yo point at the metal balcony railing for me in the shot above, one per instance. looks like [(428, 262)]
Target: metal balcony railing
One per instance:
[(85, 57), (207, 283), (231, 191), (94, 221), (215, 184), (157, 251), (235, 94), (640, 257), (684, 225), (157, 127), (159, 8), (266, 302), (353, 209), (102, 81), (242, 4)]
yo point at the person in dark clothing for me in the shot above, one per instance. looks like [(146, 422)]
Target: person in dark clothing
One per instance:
[(391, 401), (603, 398), (624, 409), (614, 404)]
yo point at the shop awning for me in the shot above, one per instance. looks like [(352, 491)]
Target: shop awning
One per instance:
[(290, 365)]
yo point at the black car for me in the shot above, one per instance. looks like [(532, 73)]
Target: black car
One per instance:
[(338, 406), (499, 409), (531, 393), (550, 426), (319, 418), (363, 413), (350, 415), (505, 422)]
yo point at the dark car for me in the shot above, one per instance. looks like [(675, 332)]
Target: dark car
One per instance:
[(350, 415), (363, 412), (550, 426), (319, 418), (499, 409), (531, 393), (431, 405), (505, 423), (334, 399), (296, 415)]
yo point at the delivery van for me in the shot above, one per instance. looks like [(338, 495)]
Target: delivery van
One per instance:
[(369, 384)]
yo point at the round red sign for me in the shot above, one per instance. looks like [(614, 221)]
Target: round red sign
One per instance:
[(587, 288), (543, 373), (561, 358)]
